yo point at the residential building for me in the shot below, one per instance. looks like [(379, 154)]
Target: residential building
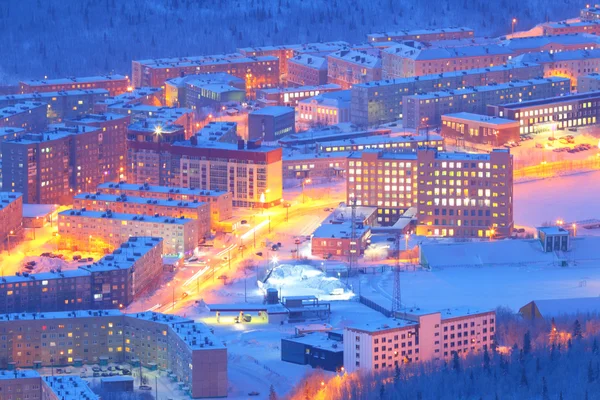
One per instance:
[(417, 336), (250, 172), (28, 384), (426, 110), (325, 109), (219, 201), (188, 350), (476, 128), (549, 114), (156, 116), (567, 64), (414, 59), (349, 67), (330, 133), (381, 101), (271, 123), (61, 105), (85, 230), (337, 240), (307, 70), (282, 52), (204, 90), (291, 96), (322, 49), (480, 206), (141, 206), (218, 131), (115, 281), (258, 72), (565, 27), (590, 13), (149, 96), (30, 116), (588, 83), (50, 167), (115, 84), (11, 218), (423, 35), (553, 44), (397, 142), (112, 143), (314, 165)]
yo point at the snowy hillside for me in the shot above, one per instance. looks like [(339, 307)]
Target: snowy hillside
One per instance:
[(62, 38)]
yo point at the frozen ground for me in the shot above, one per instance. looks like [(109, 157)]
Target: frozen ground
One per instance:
[(570, 198)]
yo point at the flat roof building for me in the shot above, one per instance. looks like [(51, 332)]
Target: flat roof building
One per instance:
[(348, 67), (28, 384), (291, 96), (325, 109), (336, 240), (115, 84), (477, 128), (30, 116), (271, 123), (219, 131), (565, 27), (150, 96), (425, 35), (553, 43)]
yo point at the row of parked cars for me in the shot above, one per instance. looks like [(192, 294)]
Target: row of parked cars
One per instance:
[(108, 371)]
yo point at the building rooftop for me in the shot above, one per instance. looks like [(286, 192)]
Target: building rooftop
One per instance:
[(20, 108), (566, 24), (60, 314), (38, 210), (274, 111), (550, 57), (455, 74), (380, 140), (357, 57), (52, 96), (386, 155), (338, 231), (422, 53), (523, 43), (101, 117), (481, 118), (413, 32), (233, 147), (327, 86), (70, 388), (66, 81), (7, 133), (559, 307), (126, 255), (318, 340), (553, 230), (54, 132), (310, 61), (205, 79), (446, 313), (340, 98), (234, 58), (488, 88), (159, 189), (8, 197), (118, 198), (297, 156), (19, 374), (123, 217), (552, 100), (382, 325), (131, 96), (322, 47)]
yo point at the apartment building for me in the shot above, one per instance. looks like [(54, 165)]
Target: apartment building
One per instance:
[(307, 70), (258, 72), (588, 83), (28, 384), (49, 167), (349, 67), (417, 336), (335, 239), (271, 123), (159, 117), (219, 131), (61, 105), (219, 201), (466, 127), (477, 206), (401, 143), (122, 203), (85, 230), (381, 101), (30, 116), (250, 172), (114, 281), (590, 13), (566, 64), (149, 96), (314, 165), (414, 59), (11, 218), (291, 96), (553, 44), (426, 110), (115, 84), (424, 35), (322, 49), (572, 111), (325, 109), (187, 349), (112, 145), (566, 27), (465, 195), (282, 52), (205, 90)]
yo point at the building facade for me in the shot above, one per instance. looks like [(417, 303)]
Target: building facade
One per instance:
[(291, 96), (349, 67), (30, 116), (271, 123), (424, 35), (325, 109), (477, 128), (11, 218), (115, 84), (307, 70)]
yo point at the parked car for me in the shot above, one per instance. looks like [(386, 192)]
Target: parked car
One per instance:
[(76, 257), (243, 222), (260, 254)]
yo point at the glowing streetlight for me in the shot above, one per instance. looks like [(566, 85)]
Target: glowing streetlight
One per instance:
[(574, 229), (304, 182), (274, 260), (492, 232), (406, 240), (514, 22), (559, 222)]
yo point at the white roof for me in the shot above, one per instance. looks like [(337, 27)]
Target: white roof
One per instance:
[(70, 388), (558, 307), (318, 340)]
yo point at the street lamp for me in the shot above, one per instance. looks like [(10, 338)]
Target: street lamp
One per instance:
[(304, 182), (8, 239), (492, 231), (406, 240), (574, 229), (560, 222), (514, 22)]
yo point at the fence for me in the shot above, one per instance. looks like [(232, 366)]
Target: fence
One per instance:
[(374, 306), (550, 169)]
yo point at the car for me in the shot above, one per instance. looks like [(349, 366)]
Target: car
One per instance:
[(125, 371), (145, 387), (76, 257), (260, 254), (83, 260), (96, 369), (327, 209), (184, 295), (32, 263), (45, 254), (29, 267), (96, 374), (253, 393), (279, 244), (539, 146), (111, 368), (192, 259), (105, 374), (243, 222), (90, 259), (297, 241), (391, 239), (274, 247), (118, 368)]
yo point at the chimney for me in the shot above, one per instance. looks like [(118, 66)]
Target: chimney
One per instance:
[(240, 144)]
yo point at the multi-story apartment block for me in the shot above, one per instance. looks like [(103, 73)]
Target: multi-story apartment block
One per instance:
[(476, 128), (349, 67), (381, 101), (325, 109), (112, 144), (11, 217), (61, 105), (115, 84), (219, 131), (314, 165), (424, 35), (547, 115), (91, 230), (291, 96), (425, 110), (456, 194), (197, 91), (121, 203), (219, 201), (307, 70), (30, 116), (396, 143), (149, 96), (50, 167), (415, 59), (553, 44), (271, 123), (258, 72), (159, 117), (566, 64), (590, 13), (417, 336), (115, 281), (322, 49), (28, 384), (187, 349), (566, 27), (465, 195), (250, 172), (588, 83)]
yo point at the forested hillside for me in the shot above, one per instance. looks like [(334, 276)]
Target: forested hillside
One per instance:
[(84, 37)]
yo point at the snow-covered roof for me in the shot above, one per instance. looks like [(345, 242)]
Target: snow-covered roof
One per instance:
[(553, 100), (309, 60), (38, 210), (558, 307), (318, 340), (356, 57), (123, 186), (54, 132), (229, 59), (382, 325), (566, 24), (60, 314), (338, 231), (22, 373), (539, 41), (550, 57), (446, 313), (73, 213), (481, 118), (420, 53), (339, 99), (20, 108), (70, 388), (413, 32), (114, 198), (48, 96), (306, 88), (553, 230), (381, 139), (132, 96), (67, 81), (273, 111)]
